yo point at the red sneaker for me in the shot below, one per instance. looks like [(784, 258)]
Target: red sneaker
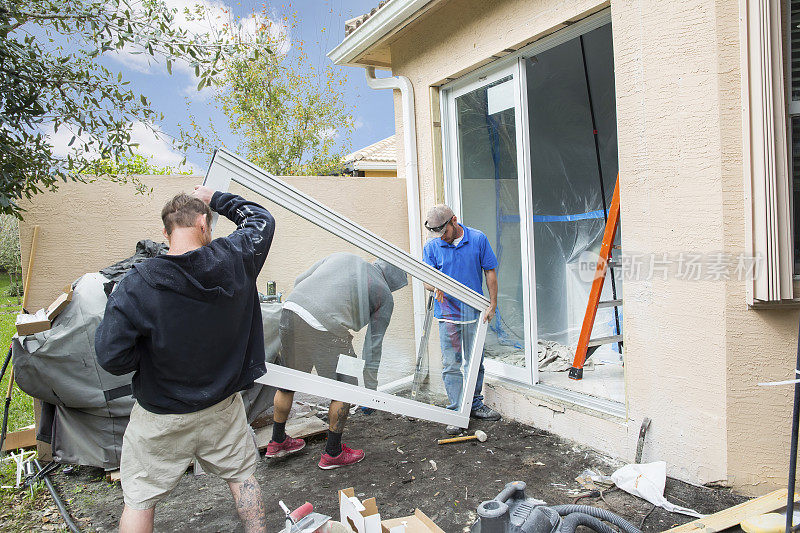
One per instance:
[(346, 458), (288, 446)]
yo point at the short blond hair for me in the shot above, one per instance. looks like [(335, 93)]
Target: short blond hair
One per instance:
[(182, 211)]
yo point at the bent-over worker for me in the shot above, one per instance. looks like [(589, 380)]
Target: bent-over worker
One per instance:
[(338, 294)]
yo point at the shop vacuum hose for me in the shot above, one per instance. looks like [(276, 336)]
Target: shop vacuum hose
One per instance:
[(512, 512)]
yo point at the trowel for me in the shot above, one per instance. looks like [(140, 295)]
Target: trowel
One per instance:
[(303, 519)]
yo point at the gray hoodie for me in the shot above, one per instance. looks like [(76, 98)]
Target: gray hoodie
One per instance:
[(344, 293)]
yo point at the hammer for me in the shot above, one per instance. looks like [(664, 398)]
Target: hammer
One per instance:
[(479, 435)]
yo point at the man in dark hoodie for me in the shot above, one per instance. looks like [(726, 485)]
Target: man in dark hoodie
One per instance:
[(337, 295), (189, 325)]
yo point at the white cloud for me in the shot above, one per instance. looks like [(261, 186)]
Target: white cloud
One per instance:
[(328, 133), (358, 124), (153, 146), (59, 140), (203, 95), (212, 21)]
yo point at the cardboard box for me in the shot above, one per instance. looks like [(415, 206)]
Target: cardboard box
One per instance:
[(28, 324), (416, 523), (41, 320), (363, 517), (59, 304), (23, 438)]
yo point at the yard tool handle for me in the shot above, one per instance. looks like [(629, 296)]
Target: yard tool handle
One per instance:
[(456, 439), (7, 406), (5, 363), (27, 287), (301, 512), (25, 294), (4, 429), (793, 447)]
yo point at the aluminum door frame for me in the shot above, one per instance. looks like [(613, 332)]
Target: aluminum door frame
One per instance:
[(527, 374), (226, 167)]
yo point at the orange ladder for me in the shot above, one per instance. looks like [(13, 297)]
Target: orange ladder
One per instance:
[(587, 345)]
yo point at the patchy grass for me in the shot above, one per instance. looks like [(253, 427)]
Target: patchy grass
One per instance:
[(20, 510), (30, 509), (21, 412)]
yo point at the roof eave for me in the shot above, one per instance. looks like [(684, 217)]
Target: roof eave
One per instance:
[(383, 23), (374, 165)]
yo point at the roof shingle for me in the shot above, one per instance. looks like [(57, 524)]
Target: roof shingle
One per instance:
[(351, 25), (383, 151)]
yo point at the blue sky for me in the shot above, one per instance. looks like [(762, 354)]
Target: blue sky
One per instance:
[(170, 93)]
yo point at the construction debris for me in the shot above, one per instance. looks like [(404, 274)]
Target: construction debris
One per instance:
[(593, 480), (647, 481), (551, 356), (22, 438)]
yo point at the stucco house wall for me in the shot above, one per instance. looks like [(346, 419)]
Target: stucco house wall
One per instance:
[(694, 351)]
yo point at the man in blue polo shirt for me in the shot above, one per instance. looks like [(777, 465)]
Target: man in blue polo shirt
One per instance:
[(464, 254)]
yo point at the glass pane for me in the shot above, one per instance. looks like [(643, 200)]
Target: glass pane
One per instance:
[(487, 153), (574, 168), (347, 316), (795, 48), (795, 135)]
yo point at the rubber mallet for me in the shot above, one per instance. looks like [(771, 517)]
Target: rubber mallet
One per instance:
[(479, 435)]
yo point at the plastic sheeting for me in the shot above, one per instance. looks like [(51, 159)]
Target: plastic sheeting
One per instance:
[(490, 202), (566, 84), (567, 195), (59, 367)]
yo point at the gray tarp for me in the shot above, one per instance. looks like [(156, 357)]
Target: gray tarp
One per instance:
[(59, 367)]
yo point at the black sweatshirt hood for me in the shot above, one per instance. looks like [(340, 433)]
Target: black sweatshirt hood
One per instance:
[(203, 274)]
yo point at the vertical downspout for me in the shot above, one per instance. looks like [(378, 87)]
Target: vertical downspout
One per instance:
[(403, 84)]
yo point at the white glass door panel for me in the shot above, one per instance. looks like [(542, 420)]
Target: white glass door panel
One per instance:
[(365, 353), (485, 158)]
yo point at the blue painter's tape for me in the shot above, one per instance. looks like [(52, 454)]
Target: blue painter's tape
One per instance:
[(553, 218), (568, 218)]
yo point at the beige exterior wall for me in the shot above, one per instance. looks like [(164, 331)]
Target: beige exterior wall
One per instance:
[(694, 350), (86, 227)]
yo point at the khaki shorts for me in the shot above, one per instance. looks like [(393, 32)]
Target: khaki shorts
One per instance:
[(157, 449)]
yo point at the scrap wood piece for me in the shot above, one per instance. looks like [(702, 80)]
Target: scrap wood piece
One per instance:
[(23, 438), (733, 516), (113, 476), (298, 428)]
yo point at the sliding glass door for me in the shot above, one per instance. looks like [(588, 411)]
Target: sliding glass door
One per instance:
[(530, 153), (485, 145)]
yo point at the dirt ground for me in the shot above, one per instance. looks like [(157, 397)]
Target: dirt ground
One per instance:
[(399, 471)]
